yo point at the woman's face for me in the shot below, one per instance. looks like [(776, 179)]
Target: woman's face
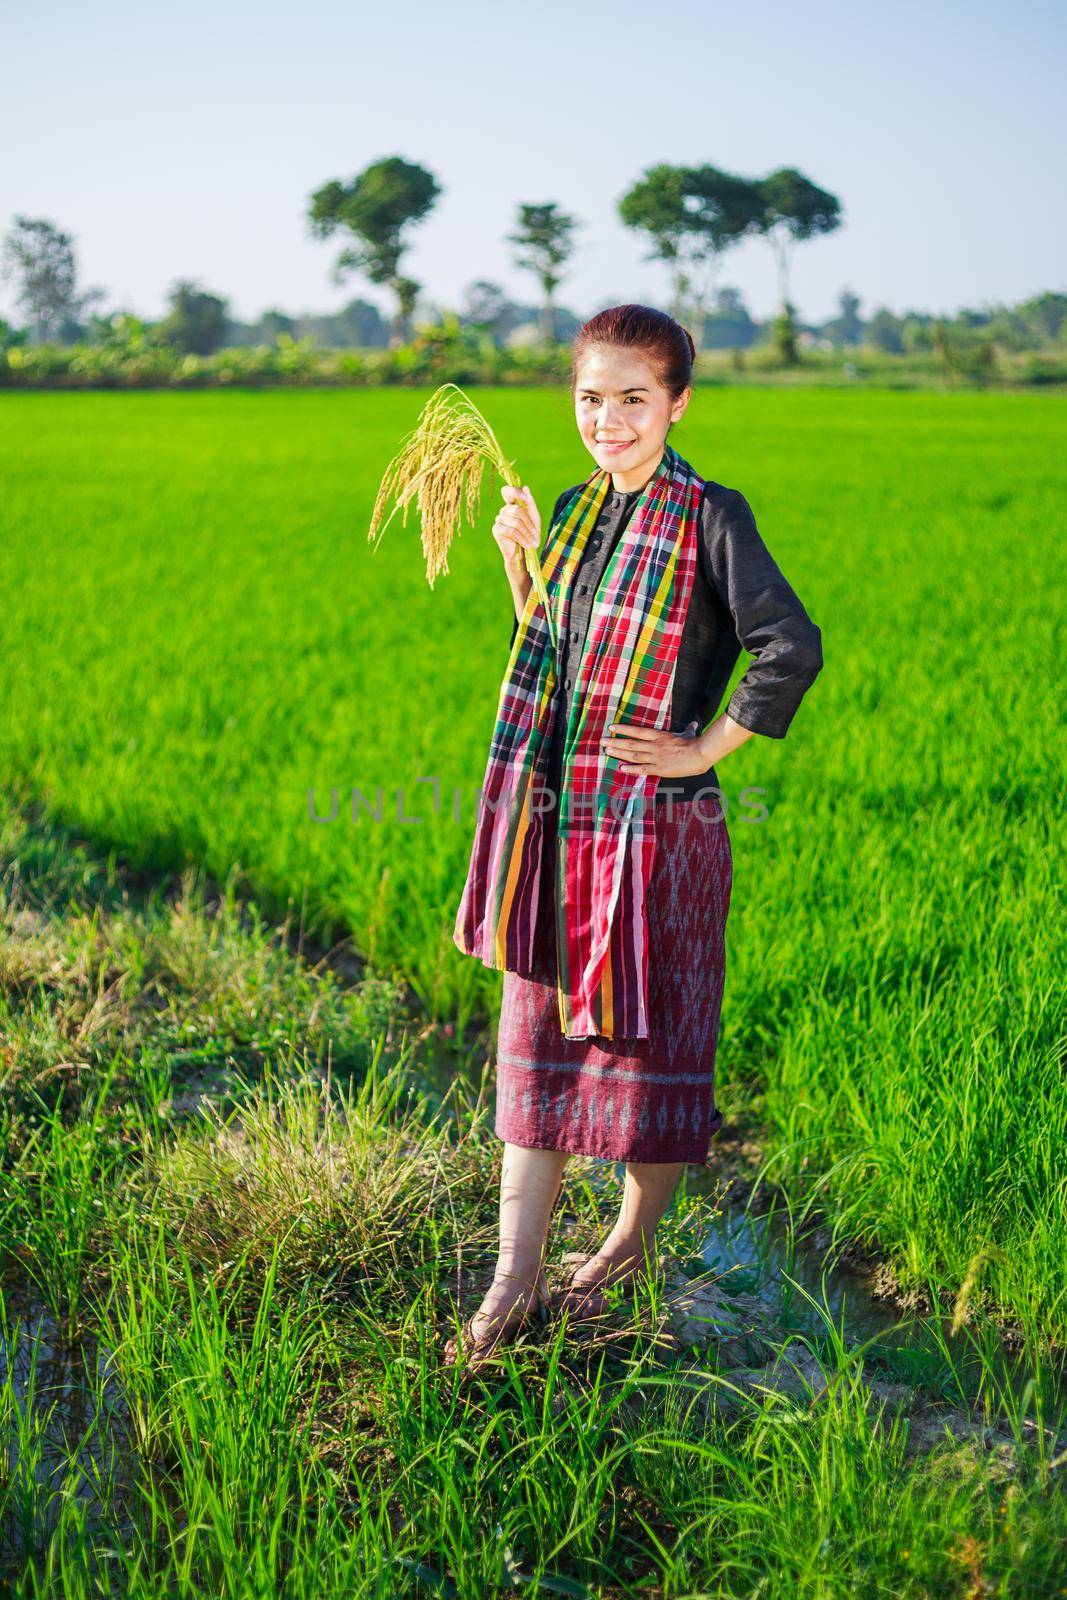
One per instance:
[(623, 412)]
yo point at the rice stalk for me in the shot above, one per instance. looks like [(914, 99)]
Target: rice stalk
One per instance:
[(439, 466)]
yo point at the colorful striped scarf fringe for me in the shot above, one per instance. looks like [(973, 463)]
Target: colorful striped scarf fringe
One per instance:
[(606, 826)]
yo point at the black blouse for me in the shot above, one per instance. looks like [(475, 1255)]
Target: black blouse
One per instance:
[(739, 597)]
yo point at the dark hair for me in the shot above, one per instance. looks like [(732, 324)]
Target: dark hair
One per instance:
[(642, 328)]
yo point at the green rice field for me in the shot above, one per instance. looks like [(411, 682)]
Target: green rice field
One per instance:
[(196, 634), (196, 637)]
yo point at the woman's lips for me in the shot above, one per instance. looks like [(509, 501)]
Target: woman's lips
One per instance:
[(614, 449)]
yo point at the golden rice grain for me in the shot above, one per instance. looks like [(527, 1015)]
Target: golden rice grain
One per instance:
[(439, 467)]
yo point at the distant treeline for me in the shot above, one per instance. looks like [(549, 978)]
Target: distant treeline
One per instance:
[(1011, 345), (199, 323), (691, 215)]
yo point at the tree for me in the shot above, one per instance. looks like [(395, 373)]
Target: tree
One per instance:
[(730, 325), (42, 259), (692, 215), (1011, 331), (545, 243), (274, 322), (962, 352), (655, 205), (884, 331), (358, 323), (376, 207), (1046, 314), (847, 326), (784, 334), (197, 323), (120, 330), (915, 331), (484, 304), (794, 209), (11, 338), (487, 306)]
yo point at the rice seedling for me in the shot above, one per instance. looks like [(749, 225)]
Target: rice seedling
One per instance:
[(440, 466)]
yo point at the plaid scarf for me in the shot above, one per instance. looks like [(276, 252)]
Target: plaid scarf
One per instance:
[(606, 827)]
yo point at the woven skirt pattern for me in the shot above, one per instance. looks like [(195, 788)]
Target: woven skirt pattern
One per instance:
[(647, 1100)]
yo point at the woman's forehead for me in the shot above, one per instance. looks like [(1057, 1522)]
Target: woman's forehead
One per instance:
[(612, 370)]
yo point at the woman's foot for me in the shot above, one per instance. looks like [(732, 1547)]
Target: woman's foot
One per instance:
[(511, 1302), (584, 1294)]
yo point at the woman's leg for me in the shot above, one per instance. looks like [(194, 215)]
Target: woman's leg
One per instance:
[(529, 1184), (646, 1194)]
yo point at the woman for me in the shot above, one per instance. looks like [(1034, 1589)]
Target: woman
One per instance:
[(601, 867)]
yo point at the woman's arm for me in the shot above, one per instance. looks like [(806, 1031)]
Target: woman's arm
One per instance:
[(521, 584), (769, 619), (520, 580), (720, 738)]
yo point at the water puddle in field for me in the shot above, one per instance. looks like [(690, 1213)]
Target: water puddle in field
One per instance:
[(65, 1422), (774, 1265), (68, 1428), (765, 1257), (758, 1283), (763, 1285)]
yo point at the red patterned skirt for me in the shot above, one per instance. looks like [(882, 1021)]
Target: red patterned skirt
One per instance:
[(629, 1099)]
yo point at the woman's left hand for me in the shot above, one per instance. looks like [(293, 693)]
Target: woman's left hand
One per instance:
[(655, 753)]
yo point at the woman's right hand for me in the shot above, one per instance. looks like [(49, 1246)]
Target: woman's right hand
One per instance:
[(517, 526)]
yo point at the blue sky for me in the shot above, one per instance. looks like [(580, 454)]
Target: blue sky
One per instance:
[(186, 143)]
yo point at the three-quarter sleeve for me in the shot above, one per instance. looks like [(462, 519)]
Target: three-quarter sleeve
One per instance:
[(769, 619)]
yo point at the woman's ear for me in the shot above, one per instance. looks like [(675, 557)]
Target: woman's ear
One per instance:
[(678, 408)]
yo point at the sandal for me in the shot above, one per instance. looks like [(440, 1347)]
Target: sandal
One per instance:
[(586, 1300), (474, 1348)]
